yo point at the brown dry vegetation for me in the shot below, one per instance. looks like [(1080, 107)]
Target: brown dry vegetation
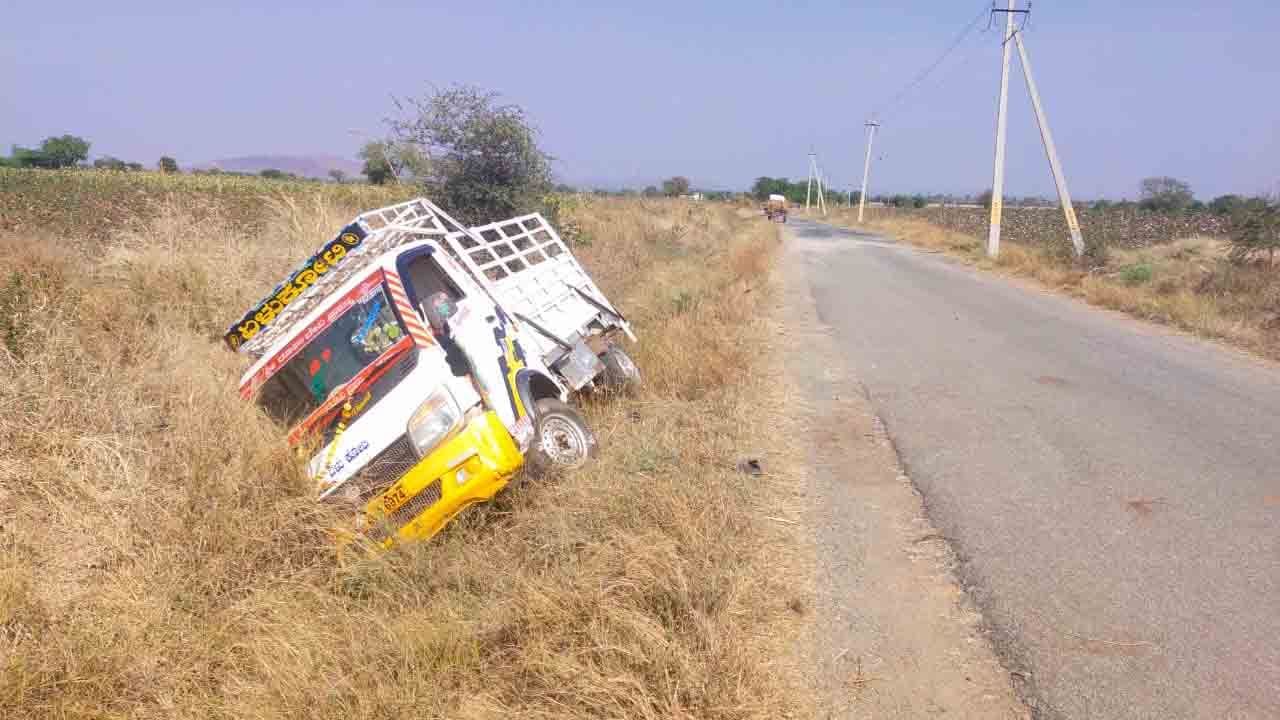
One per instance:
[(161, 555), (1188, 283)]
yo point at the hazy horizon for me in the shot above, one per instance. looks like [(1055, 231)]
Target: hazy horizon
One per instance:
[(721, 93)]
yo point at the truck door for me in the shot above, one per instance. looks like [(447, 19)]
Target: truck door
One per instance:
[(479, 330)]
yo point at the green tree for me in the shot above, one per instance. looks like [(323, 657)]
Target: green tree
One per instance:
[(1226, 204), (167, 164), (377, 165), (675, 186), (135, 166), (337, 176), (1165, 194), (63, 151), (484, 158), (651, 191), (273, 174), (106, 162), (765, 186)]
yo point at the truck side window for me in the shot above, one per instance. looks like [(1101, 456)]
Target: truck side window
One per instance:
[(426, 278)]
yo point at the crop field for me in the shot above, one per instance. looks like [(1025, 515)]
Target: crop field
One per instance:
[(1121, 228), (99, 204), (162, 556)]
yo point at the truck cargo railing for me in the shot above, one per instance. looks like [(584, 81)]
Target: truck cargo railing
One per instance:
[(527, 266)]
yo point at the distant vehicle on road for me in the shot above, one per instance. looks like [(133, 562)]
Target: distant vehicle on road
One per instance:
[(776, 208)]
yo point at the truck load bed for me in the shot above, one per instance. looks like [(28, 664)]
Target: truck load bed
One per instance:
[(529, 270)]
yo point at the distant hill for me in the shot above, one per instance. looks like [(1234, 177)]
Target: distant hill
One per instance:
[(315, 166)]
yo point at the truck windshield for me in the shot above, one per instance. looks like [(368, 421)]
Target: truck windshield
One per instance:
[(337, 354)]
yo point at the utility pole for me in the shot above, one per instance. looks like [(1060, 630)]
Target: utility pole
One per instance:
[(808, 188), (866, 166), (815, 176), (822, 195), (1064, 197), (997, 183)]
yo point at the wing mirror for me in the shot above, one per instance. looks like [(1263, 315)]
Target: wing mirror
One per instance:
[(438, 308)]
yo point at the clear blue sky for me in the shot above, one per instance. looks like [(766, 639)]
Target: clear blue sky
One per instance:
[(627, 93)]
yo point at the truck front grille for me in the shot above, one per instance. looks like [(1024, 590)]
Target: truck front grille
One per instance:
[(380, 473), (390, 465), (403, 515)]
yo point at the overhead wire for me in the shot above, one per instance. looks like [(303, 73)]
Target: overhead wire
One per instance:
[(923, 75)]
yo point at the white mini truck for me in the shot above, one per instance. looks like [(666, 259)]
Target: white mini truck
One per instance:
[(422, 363)]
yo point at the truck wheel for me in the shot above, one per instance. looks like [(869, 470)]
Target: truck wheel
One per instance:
[(562, 440), (620, 371)]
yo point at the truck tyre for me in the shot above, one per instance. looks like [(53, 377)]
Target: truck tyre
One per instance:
[(561, 441), (620, 371)]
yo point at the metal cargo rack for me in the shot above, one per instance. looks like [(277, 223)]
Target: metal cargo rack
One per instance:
[(526, 266)]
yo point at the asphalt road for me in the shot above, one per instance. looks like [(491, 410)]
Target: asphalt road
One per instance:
[(1111, 488)]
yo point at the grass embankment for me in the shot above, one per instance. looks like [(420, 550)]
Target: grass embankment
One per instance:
[(161, 555), (1188, 283)]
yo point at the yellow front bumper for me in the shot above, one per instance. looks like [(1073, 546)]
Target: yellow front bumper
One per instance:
[(470, 468)]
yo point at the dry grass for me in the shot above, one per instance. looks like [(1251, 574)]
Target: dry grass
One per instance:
[(161, 557), (1187, 283)]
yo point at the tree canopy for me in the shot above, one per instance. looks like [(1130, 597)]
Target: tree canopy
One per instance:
[(1166, 194), (377, 162), (54, 152), (483, 158), (675, 186), (64, 151)]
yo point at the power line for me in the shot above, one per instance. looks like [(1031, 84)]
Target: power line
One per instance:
[(924, 74), (968, 59)]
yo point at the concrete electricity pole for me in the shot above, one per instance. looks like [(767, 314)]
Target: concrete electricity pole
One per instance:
[(822, 195), (808, 188), (815, 175), (866, 166), (1064, 197), (997, 183)]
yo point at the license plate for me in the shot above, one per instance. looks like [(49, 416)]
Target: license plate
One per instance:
[(393, 499)]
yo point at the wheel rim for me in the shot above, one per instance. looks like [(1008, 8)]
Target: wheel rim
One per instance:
[(564, 442)]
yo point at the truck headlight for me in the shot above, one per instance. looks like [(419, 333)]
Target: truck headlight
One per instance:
[(434, 419)]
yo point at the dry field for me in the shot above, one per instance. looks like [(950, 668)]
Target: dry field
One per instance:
[(161, 555), (1187, 283)]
